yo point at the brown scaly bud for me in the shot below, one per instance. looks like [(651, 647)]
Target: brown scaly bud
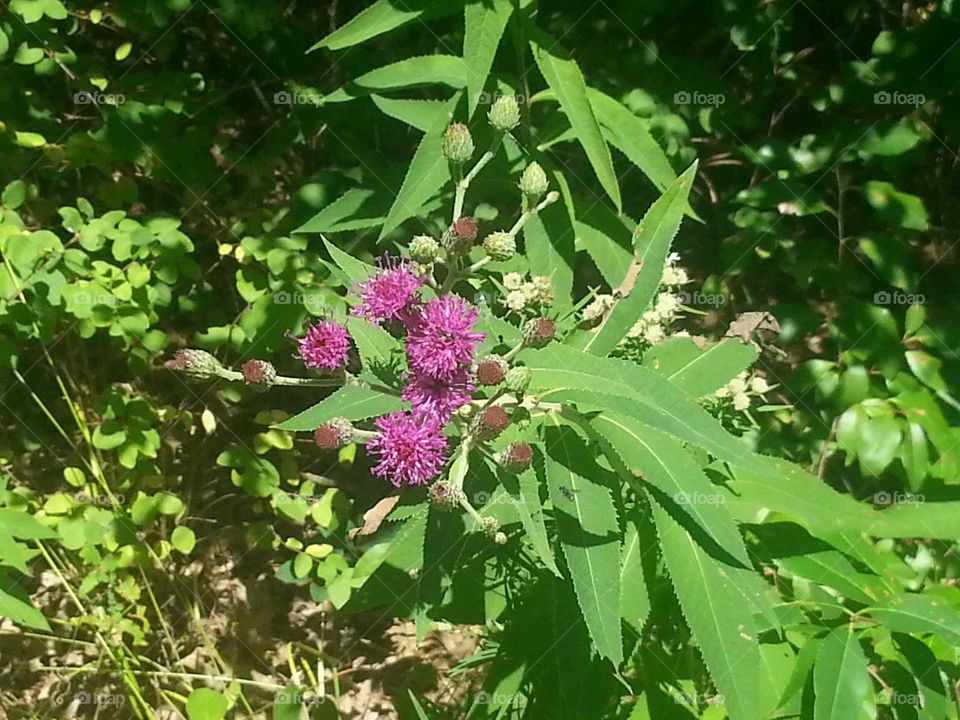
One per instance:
[(490, 423), (516, 457), (460, 237), (466, 229), (538, 332), (259, 373), (334, 434), (491, 370), (196, 363), (446, 496)]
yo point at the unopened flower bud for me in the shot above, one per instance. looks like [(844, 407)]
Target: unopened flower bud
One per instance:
[(460, 237), (490, 527), (517, 379), (490, 423), (424, 249), (533, 182), (491, 370), (457, 143), (334, 434), (538, 332), (259, 373), (516, 457), (196, 363), (500, 538), (500, 246), (504, 114), (445, 495)]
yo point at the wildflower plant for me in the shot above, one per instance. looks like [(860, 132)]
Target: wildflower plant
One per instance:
[(549, 485)]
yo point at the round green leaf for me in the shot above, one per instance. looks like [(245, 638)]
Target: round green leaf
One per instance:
[(206, 704)]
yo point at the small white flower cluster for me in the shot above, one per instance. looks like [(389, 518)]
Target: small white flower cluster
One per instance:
[(741, 389), (596, 309), (653, 324), (523, 294)]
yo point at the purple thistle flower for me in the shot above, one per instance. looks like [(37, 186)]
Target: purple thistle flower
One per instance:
[(409, 448), (438, 399), (440, 341), (391, 293), (324, 346)]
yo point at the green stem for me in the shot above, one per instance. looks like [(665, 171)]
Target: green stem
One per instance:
[(550, 199), (464, 184)]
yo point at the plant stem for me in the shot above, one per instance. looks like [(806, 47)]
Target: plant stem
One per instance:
[(464, 183), (550, 199)]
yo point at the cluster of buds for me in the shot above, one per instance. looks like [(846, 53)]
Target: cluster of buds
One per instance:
[(521, 294), (654, 323), (742, 389)]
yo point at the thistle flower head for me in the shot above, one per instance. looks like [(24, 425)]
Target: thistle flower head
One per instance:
[(409, 448), (324, 346), (440, 338), (334, 434), (438, 399), (389, 294)]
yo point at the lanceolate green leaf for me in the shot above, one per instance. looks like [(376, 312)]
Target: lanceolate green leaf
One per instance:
[(699, 372), (15, 604), (565, 79), (669, 468), (524, 489), (355, 270), (652, 241), (427, 174), (629, 134), (484, 23), (420, 70), (918, 613), (382, 17), (374, 344), (786, 488), (722, 624), (840, 677), (352, 402), (589, 534), (559, 373), (634, 599), (356, 209), (416, 113)]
